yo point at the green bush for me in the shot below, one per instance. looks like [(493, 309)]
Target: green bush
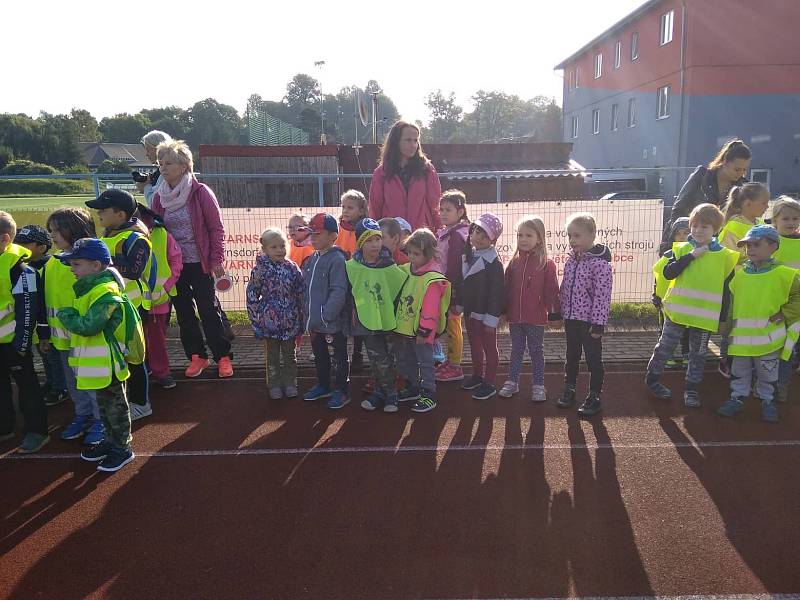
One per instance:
[(113, 166), (27, 167), (76, 169), (6, 156), (45, 187)]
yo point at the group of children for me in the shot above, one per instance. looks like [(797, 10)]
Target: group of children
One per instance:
[(730, 272), (396, 292)]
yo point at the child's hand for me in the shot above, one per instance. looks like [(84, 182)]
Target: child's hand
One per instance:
[(699, 251), (776, 318)]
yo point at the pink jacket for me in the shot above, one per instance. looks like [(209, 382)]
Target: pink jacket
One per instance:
[(175, 260), (209, 232), (531, 293), (419, 205), (429, 313), (586, 286)]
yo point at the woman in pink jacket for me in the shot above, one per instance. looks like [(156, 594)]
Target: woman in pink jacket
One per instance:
[(405, 184), (191, 214)]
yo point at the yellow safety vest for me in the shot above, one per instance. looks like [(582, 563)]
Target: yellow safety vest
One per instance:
[(695, 298), (137, 290), (738, 228), (412, 294), (58, 293), (756, 297), (788, 253), (158, 240), (662, 283), (93, 358), (8, 324)]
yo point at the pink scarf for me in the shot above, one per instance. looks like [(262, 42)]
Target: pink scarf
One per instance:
[(175, 198)]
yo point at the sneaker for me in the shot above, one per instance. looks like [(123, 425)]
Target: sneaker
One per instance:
[(732, 407), (4, 437), (407, 394), (591, 405), (424, 405), (115, 460), (338, 400), (391, 404), (373, 401), (769, 412), (473, 382), (724, 368), (691, 399), (291, 391), (673, 364), (448, 372), (96, 433), (55, 397), (97, 452), (225, 367), (197, 366), (167, 382), (567, 398), (509, 389), (659, 390), (33, 442), (140, 411), (275, 393), (484, 391), (539, 394), (80, 425), (316, 393)]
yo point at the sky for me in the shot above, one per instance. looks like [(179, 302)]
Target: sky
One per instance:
[(110, 57)]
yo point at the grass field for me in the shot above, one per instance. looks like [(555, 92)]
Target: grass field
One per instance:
[(34, 210)]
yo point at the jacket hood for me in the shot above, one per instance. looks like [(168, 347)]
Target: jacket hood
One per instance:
[(599, 251), (133, 225), (680, 223), (430, 267)]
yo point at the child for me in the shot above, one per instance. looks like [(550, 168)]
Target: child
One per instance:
[(786, 219), (531, 301), (765, 297), (421, 316), (38, 242), (354, 208), (585, 302), (68, 225), (699, 270), (96, 357), (275, 307), (452, 238), (481, 300), (20, 303), (326, 311), (392, 239), (405, 230), (678, 233), (128, 242), (300, 247), (744, 208), (375, 281)]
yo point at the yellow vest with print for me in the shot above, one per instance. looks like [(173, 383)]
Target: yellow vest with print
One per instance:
[(8, 324), (58, 293), (137, 290), (158, 239), (375, 291), (412, 294), (756, 297), (788, 253), (695, 297)]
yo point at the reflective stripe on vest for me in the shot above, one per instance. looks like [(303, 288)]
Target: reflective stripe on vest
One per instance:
[(756, 297), (792, 337), (58, 294), (13, 254), (695, 297), (136, 289)]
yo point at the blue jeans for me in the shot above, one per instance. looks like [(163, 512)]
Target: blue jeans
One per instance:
[(85, 400), (53, 371), (531, 337)]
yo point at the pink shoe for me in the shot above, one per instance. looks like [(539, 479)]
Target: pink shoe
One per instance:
[(225, 366), (197, 366), (448, 372)]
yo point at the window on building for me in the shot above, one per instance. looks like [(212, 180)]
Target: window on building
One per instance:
[(596, 121), (598, 65), (667, 20), (760, 176), (574, 131), (577, 77), (632, 112), (614, 117), (617, 55), (571, 80), (663, 102), (634, 45)]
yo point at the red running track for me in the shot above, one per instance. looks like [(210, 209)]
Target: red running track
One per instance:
[(236, 496)]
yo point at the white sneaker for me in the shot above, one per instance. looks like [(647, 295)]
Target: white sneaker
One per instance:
[(509, 389), (539, 394), (140, 412)]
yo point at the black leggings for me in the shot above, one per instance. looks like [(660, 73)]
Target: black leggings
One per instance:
[(580, 341)]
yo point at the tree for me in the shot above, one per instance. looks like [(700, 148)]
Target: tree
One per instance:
[(85, 126), (302, 91), (169, 119), (124, 128), (113, 166), (213, 123), (6, 156), (445, 117)]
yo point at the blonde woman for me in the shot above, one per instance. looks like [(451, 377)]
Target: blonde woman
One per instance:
[(191, 214)]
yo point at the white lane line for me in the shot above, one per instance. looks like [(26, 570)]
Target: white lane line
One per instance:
[(424, 448)]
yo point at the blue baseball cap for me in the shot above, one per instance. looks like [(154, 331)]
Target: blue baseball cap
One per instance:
[(322, 222), (761, 232), (88, 248)]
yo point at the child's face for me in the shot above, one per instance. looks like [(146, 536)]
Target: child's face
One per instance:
[(527, 239), (479, 238), (275, 249), (580, 238), (416, 257), (702, 232), (111, 218), (788, 222), (323, 240), (351, 211), (5, 241), (753, 209), (292, 229), (449, 213), (59, 241), (372, 248), (391, 243), (81, 267), (681, 235), (37, 250), (760, 250)]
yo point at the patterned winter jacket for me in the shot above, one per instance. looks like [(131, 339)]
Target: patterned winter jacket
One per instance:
[(275, 299), (586, 287)]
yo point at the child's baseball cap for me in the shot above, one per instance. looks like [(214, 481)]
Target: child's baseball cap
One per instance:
[(88, 248), (321, 222), (114, 198), (760, 232), (404, 225), (33, 234), (490, 224)]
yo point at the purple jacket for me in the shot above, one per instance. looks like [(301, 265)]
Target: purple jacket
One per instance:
[(586, 286), (209, 232)]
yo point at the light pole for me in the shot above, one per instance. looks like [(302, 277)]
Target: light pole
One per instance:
[(322, 137)]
